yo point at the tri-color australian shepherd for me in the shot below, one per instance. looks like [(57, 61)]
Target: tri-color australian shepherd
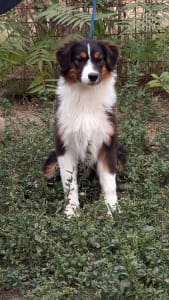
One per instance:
[(85, 127)]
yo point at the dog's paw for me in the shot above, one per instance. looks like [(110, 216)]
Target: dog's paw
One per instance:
[(112, 208), (71, 211)]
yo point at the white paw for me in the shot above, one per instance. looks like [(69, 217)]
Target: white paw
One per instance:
[(71, 211), (111, 208)]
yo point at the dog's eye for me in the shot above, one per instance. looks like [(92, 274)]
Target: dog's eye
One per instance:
[(78, 59), (100, 59)]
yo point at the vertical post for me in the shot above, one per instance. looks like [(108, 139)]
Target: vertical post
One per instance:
[(92, 19)]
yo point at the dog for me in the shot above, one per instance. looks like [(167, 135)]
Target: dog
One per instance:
[(85, 124)]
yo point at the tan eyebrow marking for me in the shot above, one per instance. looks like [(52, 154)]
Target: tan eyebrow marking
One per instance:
[(83, 54), (97, 54)]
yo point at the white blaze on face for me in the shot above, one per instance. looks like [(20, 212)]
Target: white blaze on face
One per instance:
[(88, 68), (88, 51)]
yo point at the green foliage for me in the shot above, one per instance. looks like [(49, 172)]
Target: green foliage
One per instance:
[(161, 81), (28, 42), (93, 256), (5, 104), (138, 51), (66, 15)]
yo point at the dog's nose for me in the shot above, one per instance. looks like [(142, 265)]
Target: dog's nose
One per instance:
[(93, 77)]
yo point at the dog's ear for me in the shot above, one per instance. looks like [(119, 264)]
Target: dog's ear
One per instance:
[(64, 54), (111, 54)]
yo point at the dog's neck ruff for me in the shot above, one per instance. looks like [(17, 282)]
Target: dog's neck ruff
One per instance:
[(87, 96)]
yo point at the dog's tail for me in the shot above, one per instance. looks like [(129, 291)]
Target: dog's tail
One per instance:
[(50, 165), (122, 156)]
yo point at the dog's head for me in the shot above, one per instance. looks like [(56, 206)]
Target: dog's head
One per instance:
[(87, 61)]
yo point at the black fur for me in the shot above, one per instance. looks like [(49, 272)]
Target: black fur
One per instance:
[(111, 52)]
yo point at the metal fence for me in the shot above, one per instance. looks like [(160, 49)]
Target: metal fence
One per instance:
[(141, 12)]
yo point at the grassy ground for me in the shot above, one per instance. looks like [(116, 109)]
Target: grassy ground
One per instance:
[(45, 256)]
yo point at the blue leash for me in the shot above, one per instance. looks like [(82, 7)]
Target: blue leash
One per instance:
[(92, 19)]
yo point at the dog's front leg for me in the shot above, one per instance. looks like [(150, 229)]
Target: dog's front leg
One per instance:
[(106, 169), (108, 184), (68, 172)]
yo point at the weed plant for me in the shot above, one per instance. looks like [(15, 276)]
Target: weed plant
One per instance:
[(49, 257)]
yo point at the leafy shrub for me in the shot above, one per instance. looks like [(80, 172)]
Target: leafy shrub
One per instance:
[(32, 45), (161, 81)]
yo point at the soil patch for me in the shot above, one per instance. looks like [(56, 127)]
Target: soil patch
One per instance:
[(12, 294)]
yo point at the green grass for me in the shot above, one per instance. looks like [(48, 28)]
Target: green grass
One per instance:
[(46, 256)]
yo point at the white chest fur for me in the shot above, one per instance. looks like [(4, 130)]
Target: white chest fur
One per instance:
[(81, 115)]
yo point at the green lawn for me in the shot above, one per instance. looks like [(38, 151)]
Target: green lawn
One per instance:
[(45, 256)]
